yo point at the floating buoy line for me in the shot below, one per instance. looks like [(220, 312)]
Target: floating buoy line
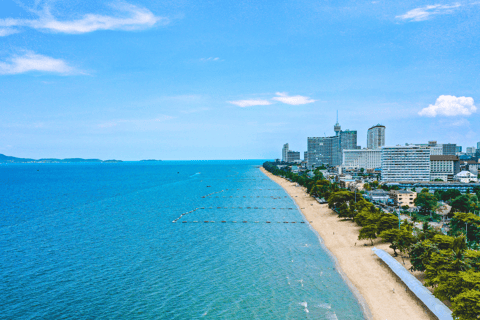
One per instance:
[(244, 221)]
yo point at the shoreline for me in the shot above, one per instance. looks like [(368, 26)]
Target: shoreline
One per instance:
[(380, 294)]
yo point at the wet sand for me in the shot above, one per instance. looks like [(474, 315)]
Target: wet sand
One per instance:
[(384, 295)]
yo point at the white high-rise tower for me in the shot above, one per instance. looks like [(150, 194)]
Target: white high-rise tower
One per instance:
[(376, 137), (285, 152)]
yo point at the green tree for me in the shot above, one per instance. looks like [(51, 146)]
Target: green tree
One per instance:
[(339, 197), (445, 261), (387, 221), (420, 254), (365, 216), (368, 232), (466, 306), (472, 257), (464, 203), (451, 194), (405, 240), (343, 210), (391, 236), (426, 201), (461, 222)]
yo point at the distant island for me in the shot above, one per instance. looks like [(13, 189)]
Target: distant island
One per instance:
[(8, 159), (149, 160)]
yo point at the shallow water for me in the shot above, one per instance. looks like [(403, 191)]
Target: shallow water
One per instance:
[(97, 241)]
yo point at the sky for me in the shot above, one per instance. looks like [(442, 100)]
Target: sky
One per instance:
[(185, 80)]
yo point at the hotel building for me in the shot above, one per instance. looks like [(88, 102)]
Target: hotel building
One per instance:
[(405, 163)]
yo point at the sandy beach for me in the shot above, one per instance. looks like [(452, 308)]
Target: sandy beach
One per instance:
[(384, 295)]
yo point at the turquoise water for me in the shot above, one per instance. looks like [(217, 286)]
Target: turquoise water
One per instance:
[(97, 241)]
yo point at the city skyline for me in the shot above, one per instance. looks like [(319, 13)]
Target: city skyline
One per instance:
[(135, 80)]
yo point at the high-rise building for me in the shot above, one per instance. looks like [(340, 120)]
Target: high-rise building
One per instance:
[(436, 151), (444, 167), (449, 149), (364, 158), (478, 145), (284, 152), (471, 151), (458, 149), (376, 137), (405, 163), (305, 155), (293, 156), (329, 150)]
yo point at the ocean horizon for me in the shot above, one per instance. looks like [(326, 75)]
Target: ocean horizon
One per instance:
[(206, 239)]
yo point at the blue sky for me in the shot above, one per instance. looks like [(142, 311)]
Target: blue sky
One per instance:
[(232, 79)]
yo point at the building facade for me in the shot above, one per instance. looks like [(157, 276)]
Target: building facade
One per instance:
[(443, 167), (449, 149), (471, 151), (472, 166), (403, 198), (466, 177), (329, 150), (435, 185), (376, 137), (293, 156), (284, 152), (436, 151), (405, 163), (362, 158)]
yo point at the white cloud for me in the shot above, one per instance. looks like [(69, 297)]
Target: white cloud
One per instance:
[(34, 62), (210, 59), (133, 18), (293, 100), (424, 13), (7, 31), (250, 103), (450, 106)]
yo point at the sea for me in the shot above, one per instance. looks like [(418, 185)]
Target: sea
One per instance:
[(160, 240)]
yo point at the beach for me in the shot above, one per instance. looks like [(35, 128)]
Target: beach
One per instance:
[(385, 296)]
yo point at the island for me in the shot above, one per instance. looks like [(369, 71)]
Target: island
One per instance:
[(9, 159)]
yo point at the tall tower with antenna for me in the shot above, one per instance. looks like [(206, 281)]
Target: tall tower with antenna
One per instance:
[(337, 128)]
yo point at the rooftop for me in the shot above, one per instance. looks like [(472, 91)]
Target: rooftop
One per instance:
[(443, 158), (402, 191)]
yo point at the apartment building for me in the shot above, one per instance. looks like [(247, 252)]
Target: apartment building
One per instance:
[(403, 198), (405, 163), (444, 167)]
